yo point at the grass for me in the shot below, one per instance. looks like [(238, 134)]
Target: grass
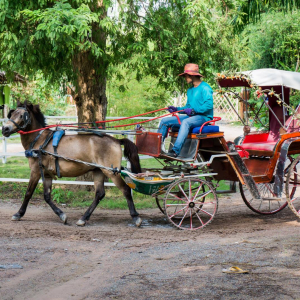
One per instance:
[(71, 195)]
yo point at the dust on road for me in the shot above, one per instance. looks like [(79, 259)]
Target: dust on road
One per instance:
[(112, 259)]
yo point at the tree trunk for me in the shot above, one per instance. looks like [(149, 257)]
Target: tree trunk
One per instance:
[(90, 96), (90, 99)]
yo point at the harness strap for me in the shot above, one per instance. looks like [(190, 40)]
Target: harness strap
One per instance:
[(112, 169), (30, 152), (41, 151), (56, 139), (17, 125)]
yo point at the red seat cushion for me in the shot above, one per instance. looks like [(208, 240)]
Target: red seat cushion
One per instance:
[(265, 146)]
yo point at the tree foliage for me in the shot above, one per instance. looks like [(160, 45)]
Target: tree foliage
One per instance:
[(274, 42), (250, 11), (75, 40), (46, 35), (169, 34)]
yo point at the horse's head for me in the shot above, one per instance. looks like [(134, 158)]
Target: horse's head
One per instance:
[(18, 119)]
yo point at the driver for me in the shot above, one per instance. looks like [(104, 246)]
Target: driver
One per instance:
[(198, 108)]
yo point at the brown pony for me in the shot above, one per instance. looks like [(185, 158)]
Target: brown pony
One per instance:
[(101, 150)]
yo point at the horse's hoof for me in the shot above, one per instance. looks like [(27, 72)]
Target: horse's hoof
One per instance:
[(64, 218), (80, 223), (15, 218), (137, 221)]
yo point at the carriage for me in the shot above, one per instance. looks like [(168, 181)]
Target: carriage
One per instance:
[(263, 163)]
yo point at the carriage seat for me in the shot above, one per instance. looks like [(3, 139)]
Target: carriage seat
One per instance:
[(259, 143), (204, 128)]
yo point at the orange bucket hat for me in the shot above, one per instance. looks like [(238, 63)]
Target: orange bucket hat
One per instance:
[(191, 69)]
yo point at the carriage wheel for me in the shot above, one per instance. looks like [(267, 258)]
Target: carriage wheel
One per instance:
[(160, 200), (266, 207), (160, 203), (190, 203), (292, 182)]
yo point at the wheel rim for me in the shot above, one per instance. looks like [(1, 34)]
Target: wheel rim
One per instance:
[(260, 206), (293, 182), (160, 203), (267, 207), (190, 203)]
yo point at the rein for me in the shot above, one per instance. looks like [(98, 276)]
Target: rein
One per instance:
[(106, 121), (39, 152)]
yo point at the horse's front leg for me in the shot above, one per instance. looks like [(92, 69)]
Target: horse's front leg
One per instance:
[(99, 194), (47, 197), (126, 190), (33, 181)]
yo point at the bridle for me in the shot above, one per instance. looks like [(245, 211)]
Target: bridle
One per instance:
[(26, 118)]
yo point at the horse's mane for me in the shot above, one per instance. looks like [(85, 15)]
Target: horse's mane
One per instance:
[(36, 111)]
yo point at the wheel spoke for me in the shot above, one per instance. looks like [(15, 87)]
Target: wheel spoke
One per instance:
[(198, 217), (177, 212), (268, 188), (175, 196), (183, 192), (204, 195), (292, 200), (198, 191), (183, 218), (205, 212), (205, 203)]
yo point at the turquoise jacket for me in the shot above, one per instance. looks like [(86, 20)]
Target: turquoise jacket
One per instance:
[(200, 99)]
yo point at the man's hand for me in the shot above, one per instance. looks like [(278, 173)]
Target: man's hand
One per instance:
[(188, 111), (171, 109)]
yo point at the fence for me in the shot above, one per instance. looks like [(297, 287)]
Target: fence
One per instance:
[(4, 154), (223, 109)]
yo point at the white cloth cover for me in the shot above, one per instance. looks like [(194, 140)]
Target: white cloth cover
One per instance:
[(274, 77)]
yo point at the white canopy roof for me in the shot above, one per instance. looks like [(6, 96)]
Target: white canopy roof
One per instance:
[(274, 77)]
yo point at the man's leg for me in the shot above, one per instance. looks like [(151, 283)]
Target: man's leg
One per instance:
[(166, 123), (186, 124)]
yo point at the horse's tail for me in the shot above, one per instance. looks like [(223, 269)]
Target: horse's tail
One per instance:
[(131, 153)]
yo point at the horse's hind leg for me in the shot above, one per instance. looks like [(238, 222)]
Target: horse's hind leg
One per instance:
[(33, 181), (99, 194), (47, 197), (126, 190)]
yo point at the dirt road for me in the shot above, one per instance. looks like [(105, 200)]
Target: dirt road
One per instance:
[(111, 259)]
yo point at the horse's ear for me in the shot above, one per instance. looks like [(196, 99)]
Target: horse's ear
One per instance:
[(25, 103), (18, 102)]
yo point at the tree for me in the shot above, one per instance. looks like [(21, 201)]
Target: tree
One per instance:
[(64, 40), (169, 34), (273, 42), (76, 41), (250, 11)]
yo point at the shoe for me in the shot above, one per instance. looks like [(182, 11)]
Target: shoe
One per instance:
[(172, 153)]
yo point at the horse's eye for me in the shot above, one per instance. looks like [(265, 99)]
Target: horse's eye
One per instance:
[(21, 116)]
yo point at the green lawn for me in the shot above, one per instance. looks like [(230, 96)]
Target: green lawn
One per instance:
[(69, 194)]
